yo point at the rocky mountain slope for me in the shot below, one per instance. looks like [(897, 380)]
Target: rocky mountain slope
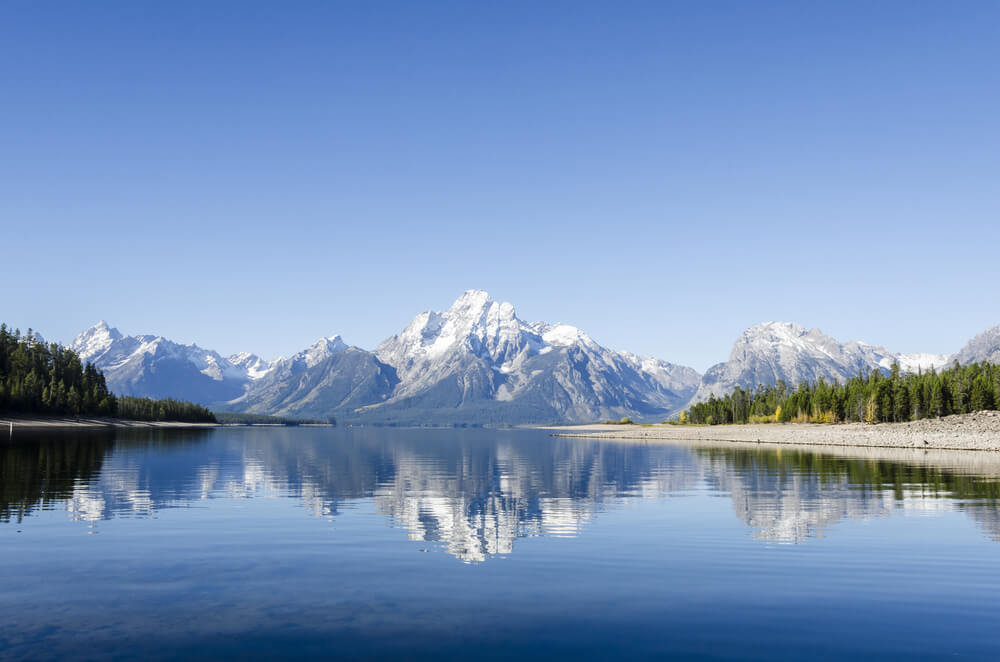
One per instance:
[(152, 366), (475, 363), (327, 378), (984, 347), (478, 361), (773, 351)]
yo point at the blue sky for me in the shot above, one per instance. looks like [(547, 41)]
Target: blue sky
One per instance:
[(252, 176)]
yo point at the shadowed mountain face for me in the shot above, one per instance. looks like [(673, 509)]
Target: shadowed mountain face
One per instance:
[(475, 493)]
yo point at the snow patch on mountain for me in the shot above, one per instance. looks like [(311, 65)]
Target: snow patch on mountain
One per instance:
[(252, 365), (917, 362)]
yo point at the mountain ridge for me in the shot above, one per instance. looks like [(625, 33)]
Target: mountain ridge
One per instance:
[(478, 362), (479, 353), (769, 352)]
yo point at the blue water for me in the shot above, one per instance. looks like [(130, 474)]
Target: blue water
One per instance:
[(324, 543)]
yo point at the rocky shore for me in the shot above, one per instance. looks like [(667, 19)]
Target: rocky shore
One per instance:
[(978, 431), (14, 424)]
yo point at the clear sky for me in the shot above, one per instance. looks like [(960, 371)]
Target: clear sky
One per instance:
[(252, 176)]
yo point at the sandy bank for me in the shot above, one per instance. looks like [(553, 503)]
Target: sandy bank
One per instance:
[(979, 431), (44, 423)]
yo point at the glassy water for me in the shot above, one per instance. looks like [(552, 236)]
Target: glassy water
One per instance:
[(476, 544)]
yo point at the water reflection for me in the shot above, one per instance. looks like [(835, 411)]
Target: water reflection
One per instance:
[(41, 473), (475, 493), (788, 495)]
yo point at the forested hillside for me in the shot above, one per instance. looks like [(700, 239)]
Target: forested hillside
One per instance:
[(40, 378), (872, 398)]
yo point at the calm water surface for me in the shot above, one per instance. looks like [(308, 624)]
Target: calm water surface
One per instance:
[(417, 544)]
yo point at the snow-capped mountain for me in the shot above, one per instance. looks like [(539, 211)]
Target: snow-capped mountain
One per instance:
[(773, 351), (478, 363), (324, 379), (984, 347), (252, 365), (918, 361), (478, 360), (152, 366)]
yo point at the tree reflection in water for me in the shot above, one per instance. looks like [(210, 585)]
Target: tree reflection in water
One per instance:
[(477, 492)]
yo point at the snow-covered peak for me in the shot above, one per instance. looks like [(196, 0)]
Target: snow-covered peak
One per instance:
[(487, 352), (787, 336), (117, 354), (252, 365), (321, 350), (472, 303), (95, 341), (788, 342), (476, 315), (474, 323), (773, 331), (772, 351)]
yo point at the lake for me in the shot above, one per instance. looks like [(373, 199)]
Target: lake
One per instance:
[(325, 543)]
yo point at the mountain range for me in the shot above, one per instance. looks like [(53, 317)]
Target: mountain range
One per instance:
[(772, 351), (479, 363)]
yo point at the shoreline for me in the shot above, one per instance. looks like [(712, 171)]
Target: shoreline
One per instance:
[(14, 424), (969, 432)]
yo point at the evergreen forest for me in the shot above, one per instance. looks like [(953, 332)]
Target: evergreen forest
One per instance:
[(47, 379), (872, 398)]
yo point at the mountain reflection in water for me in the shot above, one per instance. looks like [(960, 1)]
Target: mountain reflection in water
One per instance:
[(475, 492)]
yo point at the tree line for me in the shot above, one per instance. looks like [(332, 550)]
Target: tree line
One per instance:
[(40, 378), (872, 398)]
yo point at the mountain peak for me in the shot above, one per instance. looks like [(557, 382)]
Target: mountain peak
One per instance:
[(775, 329), (983, 347), (471, 301), (321, 350), (772, 351), (479, 351), (95, 341), (103, 328)]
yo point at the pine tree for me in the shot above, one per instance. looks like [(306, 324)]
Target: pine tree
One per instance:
[(937, 404), (981, 394)]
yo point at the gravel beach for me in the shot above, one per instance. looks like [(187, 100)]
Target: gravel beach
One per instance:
[(979, 431)]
